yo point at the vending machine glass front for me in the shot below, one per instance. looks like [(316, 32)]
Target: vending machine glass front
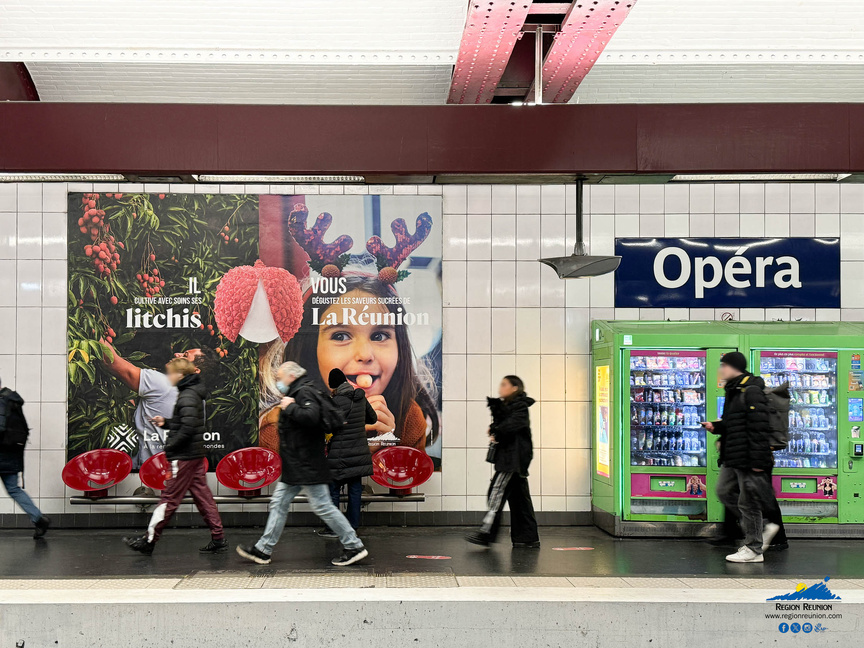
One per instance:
[(812, 378)]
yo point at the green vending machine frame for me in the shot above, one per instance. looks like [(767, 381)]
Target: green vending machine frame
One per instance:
[(643, 431), (666, 370)]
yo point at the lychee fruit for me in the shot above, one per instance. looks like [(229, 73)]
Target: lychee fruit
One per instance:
[(113, 300), (388, 275), (331, 271), (258, 303)]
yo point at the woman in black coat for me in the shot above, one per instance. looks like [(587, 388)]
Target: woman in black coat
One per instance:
[(510, 435), (348, 455)]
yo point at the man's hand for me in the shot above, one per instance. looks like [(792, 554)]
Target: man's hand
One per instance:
[(285, 402), (158, 420), (125, 371), (708, 425)]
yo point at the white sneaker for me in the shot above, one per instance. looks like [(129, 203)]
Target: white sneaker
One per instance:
[(768, 534), (745, 555)]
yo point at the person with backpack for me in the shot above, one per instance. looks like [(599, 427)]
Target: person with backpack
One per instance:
[(348, 454), (184, 448), (307, 416), (744, 484), (13, 438)]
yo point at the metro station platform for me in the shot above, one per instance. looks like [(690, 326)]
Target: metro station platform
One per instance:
[(582, 588)]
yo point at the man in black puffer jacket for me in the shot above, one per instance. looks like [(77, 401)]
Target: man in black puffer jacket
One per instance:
[(184, 448), (744, 485), (348, 456), (304, 469)]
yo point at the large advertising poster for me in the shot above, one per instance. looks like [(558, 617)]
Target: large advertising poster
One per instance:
[(370, 274), (239, 284)]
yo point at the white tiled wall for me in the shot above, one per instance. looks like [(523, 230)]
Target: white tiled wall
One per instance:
[(503, 311)]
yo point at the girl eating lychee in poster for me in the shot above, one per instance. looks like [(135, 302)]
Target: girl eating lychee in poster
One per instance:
[(368, 270)]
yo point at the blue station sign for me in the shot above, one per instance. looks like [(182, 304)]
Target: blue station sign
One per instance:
[(728, 273)]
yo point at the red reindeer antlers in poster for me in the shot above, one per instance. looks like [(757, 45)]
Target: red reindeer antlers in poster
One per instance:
[(321, 255), (389, 259)]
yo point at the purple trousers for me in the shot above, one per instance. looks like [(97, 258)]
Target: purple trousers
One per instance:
[(192, 477)]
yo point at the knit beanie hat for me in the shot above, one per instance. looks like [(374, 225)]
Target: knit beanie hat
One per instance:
[(736, 360)]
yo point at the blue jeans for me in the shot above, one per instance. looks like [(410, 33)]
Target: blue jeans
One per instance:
[(355, 498), (10, 482), (319, 500)]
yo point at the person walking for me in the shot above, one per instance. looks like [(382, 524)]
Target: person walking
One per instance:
[(184, 448), (348, 454), (511, 450), (744, 485), (13, 437), (304, 469), (731, 534)]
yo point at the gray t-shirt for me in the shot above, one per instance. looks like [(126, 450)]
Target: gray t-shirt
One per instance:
[(156, 397)]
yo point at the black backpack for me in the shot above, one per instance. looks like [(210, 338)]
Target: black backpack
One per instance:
[(14, 430), (777, 400), (332, 419), (778, 416)]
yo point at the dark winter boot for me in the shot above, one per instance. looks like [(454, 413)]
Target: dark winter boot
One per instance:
[(479, 538), (140, 544), (42, 525), (215, 546)]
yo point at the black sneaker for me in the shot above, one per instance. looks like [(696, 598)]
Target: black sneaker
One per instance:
[(140, 544), (722, 541), (215, 546), (350, 556), (42, 525), (251, 553), (326, 533), (479, 538), (527, 545)]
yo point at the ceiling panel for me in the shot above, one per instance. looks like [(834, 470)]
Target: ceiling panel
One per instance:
[(244, 84)]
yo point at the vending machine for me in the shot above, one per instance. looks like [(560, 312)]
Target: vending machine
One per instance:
[(655, 467), (819, 477)]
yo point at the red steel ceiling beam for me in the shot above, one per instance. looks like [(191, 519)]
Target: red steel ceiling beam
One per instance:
[(16, 84), (491, 31), (584, 34)]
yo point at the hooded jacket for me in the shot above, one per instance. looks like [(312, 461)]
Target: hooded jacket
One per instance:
[(185, 439), (301, 437), (744, 427), (11, 417), (349, 455), (511, 429)]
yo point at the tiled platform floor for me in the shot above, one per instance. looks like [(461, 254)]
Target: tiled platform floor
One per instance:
[(77, 558)]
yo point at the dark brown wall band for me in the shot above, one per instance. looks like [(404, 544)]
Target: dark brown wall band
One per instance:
[(431, 140)]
